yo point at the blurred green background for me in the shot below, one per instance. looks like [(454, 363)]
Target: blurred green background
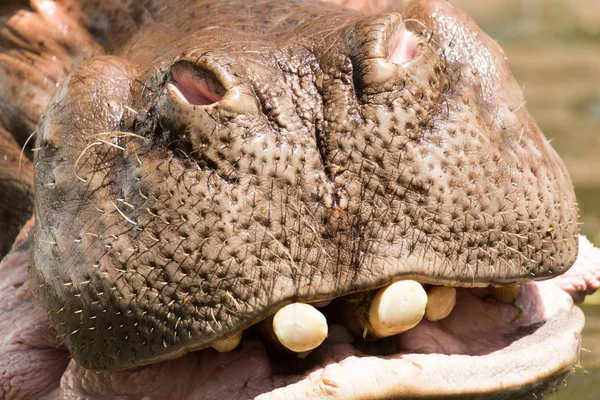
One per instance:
[(553, 48)]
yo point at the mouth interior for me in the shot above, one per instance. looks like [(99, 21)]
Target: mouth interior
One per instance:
[(482, 347), (479, 325)]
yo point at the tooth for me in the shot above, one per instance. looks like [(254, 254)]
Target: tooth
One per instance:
[(395, 309), (506, 294), (321, 304), (304, 354), (440, 302), (299, 327), (225, 345)]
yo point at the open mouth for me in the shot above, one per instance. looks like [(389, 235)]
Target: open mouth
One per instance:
[(493, 341), (483, 346), (493, 344)]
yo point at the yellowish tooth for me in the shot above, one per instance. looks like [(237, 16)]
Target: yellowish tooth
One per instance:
[(440, 302), (300, 327), (396, 308), (225, 345), (506, 294), (320, 304)]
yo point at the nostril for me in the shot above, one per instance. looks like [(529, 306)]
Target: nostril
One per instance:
[(194, 86), (379, 46), (405, 48)]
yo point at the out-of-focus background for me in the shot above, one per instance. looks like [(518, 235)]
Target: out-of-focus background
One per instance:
[(553, 48)]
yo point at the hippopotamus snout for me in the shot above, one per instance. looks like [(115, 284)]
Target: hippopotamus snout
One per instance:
[(280, 199), (221, 178)]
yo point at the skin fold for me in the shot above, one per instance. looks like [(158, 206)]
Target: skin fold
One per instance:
[(198, 165)]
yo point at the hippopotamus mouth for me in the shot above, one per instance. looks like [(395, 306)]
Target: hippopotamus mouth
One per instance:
[(222, 166)]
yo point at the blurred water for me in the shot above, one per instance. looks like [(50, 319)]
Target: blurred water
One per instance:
[(553, 48)]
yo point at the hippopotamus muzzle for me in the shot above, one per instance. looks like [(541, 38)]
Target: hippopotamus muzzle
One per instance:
[(289, 199)]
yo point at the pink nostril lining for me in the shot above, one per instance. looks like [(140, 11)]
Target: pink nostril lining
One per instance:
[(405, 49), (193, 88)]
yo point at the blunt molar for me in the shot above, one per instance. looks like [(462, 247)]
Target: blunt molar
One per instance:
[(228, 344), (394, 309), (440, 302), (506, 294), (321, 304), (397, 308), (299, 327)]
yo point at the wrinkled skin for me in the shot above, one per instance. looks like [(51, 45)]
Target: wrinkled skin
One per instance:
[(228, 158)]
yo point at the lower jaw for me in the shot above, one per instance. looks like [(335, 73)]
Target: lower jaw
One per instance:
[(484, 349)]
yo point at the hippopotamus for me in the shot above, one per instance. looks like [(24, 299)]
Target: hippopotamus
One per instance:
[(175, 173)]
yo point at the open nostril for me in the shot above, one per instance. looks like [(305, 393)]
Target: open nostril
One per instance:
[(405, 48), (195, 86), (378, 45)]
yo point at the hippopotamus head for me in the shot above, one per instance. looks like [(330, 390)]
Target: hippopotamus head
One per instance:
[(230, 158)]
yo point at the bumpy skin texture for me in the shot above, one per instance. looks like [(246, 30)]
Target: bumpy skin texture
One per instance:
[(325, 169)]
